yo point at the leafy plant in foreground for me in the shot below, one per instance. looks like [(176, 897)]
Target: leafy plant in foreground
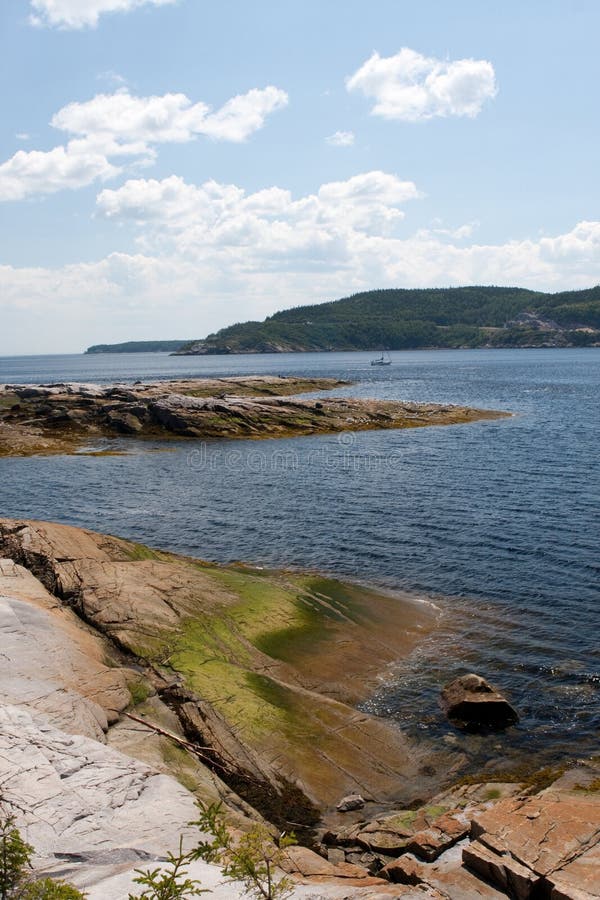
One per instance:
[(15, 878), (14, 858), (48, 889), (252, 859), (169, 883)]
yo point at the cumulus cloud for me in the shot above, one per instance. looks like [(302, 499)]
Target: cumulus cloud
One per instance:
[(268, 228), (71, 166), (123, 117), (411, 87), (121, 125), (243, 115), (347, 233), (340, 139), (82, 13)]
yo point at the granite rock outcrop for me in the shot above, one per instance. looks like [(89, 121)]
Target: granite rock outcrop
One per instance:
[(66, 417), (108, 734)]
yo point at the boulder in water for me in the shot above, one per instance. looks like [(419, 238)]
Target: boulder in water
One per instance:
[(471, 702)]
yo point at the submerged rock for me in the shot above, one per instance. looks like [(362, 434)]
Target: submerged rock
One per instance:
[(352, 801), (471, 702)]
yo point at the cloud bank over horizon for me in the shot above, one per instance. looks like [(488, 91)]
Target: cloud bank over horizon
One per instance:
[(210, 253)]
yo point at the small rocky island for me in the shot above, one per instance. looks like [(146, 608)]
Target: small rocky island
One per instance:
[(62, 418)]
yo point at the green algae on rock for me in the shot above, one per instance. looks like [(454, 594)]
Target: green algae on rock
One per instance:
[(266, 667)]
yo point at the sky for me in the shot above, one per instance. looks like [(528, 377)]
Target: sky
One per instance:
[(169, 167)]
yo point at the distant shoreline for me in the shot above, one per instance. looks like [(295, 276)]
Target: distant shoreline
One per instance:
[(136, 347), (219, 353)]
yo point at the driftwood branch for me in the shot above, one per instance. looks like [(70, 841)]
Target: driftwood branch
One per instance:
[(205, 757)]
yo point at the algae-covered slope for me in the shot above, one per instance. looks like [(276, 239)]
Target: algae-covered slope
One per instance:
[(262, 667)]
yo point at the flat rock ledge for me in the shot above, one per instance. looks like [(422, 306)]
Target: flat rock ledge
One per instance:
[(94, 813), (543, 846), (62, 417)]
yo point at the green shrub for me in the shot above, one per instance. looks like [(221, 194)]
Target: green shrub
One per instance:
[(252, 860), (14, 859), (170, 882), (16, 882), (47, 889)]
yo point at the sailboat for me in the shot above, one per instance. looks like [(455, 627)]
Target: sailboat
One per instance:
[(383, 360)]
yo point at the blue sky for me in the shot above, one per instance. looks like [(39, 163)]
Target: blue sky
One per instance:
[(168, 167)]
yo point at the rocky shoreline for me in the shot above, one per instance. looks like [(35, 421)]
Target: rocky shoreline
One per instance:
[(136, 680), (265, 668), (63, 418)]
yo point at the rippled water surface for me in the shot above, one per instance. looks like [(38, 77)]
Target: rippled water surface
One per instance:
[(496, 522)]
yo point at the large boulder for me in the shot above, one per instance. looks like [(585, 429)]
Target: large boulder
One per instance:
[(472, 703)]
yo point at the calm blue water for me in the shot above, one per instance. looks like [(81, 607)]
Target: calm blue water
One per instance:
[(497, 522)]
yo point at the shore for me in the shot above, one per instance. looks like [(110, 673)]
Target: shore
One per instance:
[(63, 418), (139, 680), (264, 667)]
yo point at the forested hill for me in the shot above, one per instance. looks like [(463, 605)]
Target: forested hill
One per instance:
[(138, 347), (398, 319)]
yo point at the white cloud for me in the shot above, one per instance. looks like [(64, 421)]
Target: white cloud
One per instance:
[(340, 139), (123, 117), (265, 229), (71, 166), (243, 115), (120, 125), (82, 13), (22, 136), (346, 232), (410, 87)]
